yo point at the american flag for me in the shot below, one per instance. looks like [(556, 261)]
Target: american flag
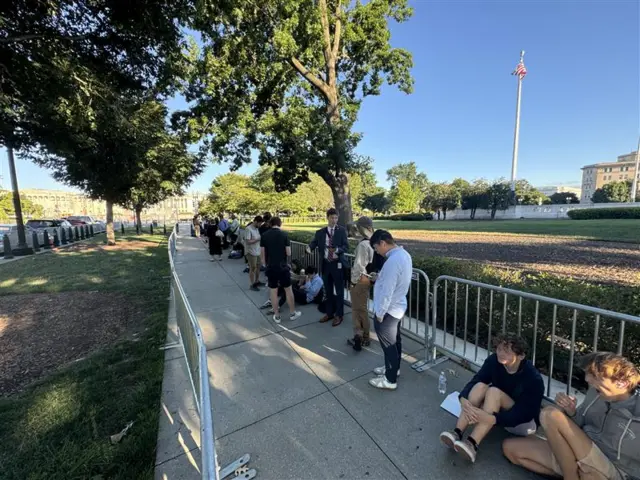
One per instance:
[(520, 70)]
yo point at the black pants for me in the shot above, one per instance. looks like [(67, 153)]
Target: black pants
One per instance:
[(299, 295), (333, 277), (391, 342)]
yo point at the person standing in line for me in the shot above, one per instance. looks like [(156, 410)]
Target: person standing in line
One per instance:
[(196, 226), (223, 226), (276, 257), (234, 228), (361, 286), (215, 241), (252, 241), (390, 304), (332, 241)]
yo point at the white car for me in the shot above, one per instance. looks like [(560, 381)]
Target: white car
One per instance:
[(12, 232)]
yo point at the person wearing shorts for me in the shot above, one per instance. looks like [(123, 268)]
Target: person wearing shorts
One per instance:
[(276, 258), (507, 391), (600, 439)]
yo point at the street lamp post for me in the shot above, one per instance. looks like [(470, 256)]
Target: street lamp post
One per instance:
[(520, 72), (22, 248)]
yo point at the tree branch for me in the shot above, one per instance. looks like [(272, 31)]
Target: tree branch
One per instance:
[(324, 20), (338, 30), (24, 38), (310, 77)]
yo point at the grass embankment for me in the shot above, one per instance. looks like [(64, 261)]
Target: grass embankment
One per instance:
[(59, 427), (605, 230)]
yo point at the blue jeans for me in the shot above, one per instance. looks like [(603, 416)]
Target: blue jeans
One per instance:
[(391, 342)]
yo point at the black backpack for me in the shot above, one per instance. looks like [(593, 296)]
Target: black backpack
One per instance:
[(376, 263)]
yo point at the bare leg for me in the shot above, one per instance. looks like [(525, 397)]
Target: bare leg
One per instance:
[(290, 299), (532, 453), (273, 293), (567, 441), (476, 397), (494, 401)]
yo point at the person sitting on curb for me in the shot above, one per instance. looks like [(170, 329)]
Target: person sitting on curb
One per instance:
[(598, 440), (507, 391), (308, 290)]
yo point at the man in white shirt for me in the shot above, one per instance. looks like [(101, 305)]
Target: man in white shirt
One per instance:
[(390, 304), (252, 242)]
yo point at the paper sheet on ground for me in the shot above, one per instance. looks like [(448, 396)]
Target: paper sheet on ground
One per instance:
[(452, 404)]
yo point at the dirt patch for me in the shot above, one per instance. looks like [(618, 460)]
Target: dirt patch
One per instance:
[(41, 332), (133, 245), (603, 262)]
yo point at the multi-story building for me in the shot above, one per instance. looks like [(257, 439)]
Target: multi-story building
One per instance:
[(550, 190), (599, 174), (58, 204)]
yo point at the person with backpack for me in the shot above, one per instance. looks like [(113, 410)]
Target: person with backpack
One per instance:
[(223, 226), (361, 285), (234, 229)]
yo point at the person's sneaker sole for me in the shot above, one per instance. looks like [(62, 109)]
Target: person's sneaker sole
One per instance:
[(376, 383), (448, 439), (277, 319), (465, 451)]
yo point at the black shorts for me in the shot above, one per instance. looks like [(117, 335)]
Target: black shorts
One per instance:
[(278, 277)]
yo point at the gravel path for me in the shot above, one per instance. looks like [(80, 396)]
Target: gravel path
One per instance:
[(605, 262)]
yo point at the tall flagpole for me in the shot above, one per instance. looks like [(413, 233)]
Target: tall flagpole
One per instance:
[(520, 71), (636, 174)]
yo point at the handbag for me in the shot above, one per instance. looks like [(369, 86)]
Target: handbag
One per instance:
[(219, 234)]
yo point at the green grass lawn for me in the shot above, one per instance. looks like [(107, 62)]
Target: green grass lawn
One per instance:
[(59, 428), (607, 230)]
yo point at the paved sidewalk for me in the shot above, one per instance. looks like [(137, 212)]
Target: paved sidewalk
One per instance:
[(296, 397)]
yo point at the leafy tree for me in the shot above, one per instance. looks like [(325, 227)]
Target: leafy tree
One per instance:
[(362, 184), (7, 209), (563, 198), (409, 172), (475, 196), (377, 202), (526, 194), (404, 198), (442, 197), (498, 196), (614, 192), (287, 79)]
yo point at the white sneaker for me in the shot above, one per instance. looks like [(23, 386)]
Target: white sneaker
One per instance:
[(382, 383), (266, 304), (448, 438), (295, 315), (382, 370), (277, 319)]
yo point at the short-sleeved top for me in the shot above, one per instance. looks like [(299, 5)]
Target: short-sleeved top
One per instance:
[(275, 242)]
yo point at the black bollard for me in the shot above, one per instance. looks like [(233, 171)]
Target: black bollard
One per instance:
[(76, 233), (82, 232), (177, 227), (193, 231), (137, 229), (164, 229), (63, 236), (151, 228), (47, 245), (91, 231), (8, 254), (122, 227), (71, 235), (56, 239), (35, 242), (86, 231)]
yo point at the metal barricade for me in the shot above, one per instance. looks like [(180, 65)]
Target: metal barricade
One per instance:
[(466, 316), (195, 354)]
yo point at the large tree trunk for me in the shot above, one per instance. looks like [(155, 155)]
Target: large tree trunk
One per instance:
[(341, 196), (111, 234), (138, 221)]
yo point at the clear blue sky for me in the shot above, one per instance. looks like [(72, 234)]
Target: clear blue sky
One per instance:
[(580, 103)]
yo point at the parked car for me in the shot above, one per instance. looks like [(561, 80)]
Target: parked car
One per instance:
[(44, 224), (80, 220)]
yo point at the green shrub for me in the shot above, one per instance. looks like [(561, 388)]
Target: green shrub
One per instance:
[(605, 213), (408, 217)]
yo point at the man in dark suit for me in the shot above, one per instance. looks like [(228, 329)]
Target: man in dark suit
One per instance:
[(332, 242)]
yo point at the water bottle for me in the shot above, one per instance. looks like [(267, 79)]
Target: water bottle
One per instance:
[(442, 383)]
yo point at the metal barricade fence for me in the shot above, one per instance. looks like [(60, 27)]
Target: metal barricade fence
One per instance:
[(466, 315)]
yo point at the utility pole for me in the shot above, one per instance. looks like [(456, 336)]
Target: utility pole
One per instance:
[(22, 248)]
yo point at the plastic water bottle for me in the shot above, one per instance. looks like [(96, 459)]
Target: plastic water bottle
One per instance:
[(442, 383)]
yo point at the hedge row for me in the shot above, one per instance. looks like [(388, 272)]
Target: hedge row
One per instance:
[(408, 217), (618, 298), (605, 213)]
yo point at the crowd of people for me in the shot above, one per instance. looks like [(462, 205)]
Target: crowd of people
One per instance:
[(599, 439)]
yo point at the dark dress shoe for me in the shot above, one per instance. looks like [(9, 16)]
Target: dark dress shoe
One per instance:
[(325, 319), (336, 321)]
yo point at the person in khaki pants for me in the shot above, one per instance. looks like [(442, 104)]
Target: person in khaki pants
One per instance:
[(361, 286)]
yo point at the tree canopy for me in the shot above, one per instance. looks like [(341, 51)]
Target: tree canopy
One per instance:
[(7, 210), (563, 198), (614, 192), (286, 79)]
